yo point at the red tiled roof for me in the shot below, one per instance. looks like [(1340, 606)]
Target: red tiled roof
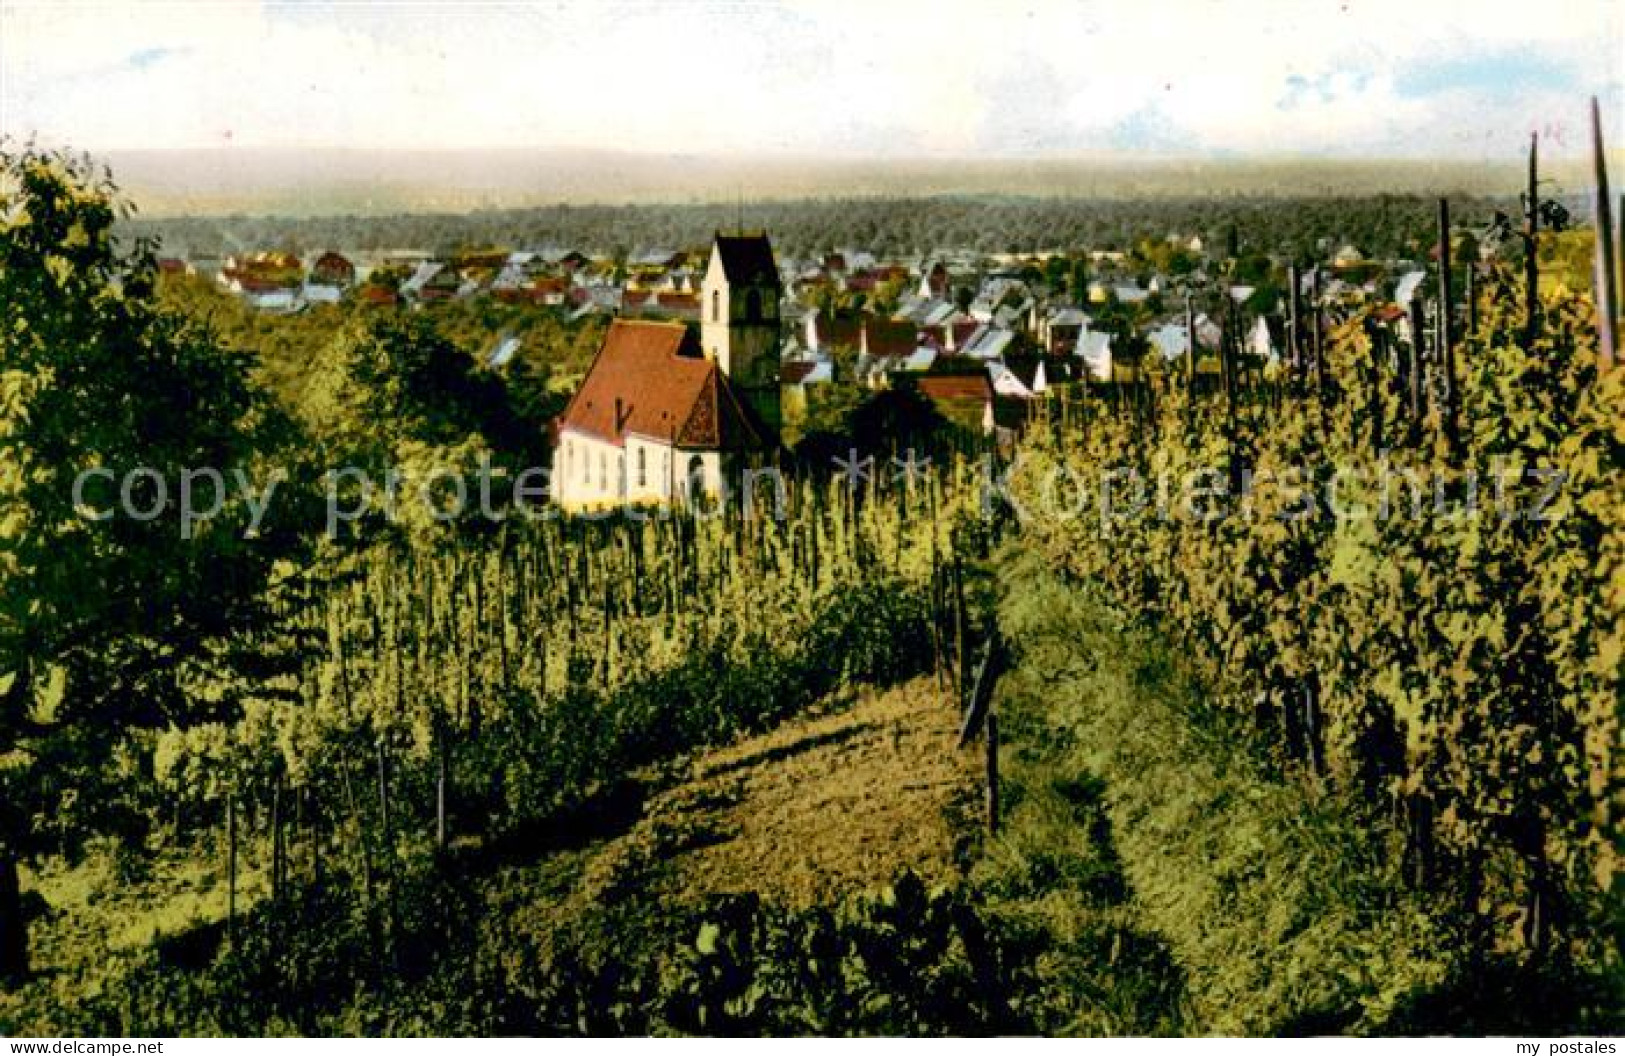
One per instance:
[(794, 371), (950, 387), (839, 330), (654, 374), (888, 337), (333, 264), (259, 285)]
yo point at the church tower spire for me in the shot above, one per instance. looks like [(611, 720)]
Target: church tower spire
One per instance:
[(739, 318)]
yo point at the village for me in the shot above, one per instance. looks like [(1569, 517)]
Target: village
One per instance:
[(711, 350)]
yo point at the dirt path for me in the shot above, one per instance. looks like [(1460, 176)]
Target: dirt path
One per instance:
[(813, 809)]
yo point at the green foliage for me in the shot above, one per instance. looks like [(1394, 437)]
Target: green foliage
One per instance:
[(1455, 676), (1276, 905), (903, 961), (111, 625), (546, 665), (388, 380), (1291, 217)]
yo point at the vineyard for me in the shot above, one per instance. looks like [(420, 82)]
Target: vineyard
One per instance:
[(1447, 665), (548, 656), (1235, 697)]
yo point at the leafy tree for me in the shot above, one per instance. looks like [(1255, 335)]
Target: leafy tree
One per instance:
[(389, 380), (107, 625)]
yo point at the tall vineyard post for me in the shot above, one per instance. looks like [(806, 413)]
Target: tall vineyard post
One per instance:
[(1606, 262)]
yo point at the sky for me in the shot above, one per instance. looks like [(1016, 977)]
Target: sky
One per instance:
[(1457, 79)]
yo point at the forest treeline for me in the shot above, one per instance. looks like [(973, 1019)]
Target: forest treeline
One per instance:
[(1378, 225)]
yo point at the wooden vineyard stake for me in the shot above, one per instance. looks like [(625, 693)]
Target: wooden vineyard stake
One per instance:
[(1413, 368), (1190, 355), (231, 870), (1318, 332), (1607, 278), (961, 659), (987, 672), (1531, 266), (1295, 321), (1447, 356), (992, 755), (1470, 295), (276, 840)]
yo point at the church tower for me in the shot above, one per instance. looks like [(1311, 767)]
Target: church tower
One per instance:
[(739, 319)]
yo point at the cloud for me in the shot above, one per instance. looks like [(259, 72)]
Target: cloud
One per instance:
[(1328, 87), (1150, 129), (1499, 75), (146, 58), (953, 77)]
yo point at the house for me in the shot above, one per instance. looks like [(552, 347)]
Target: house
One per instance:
[(1410, 284), (797, 377), (1013, 316), (329, 278), (1059, 328), (375, 295), (988, 343), (1095, 349), (1030, 375), (933, 282), (920, 360), (886, 337), (506, 348), (925, 312), (996, 293), (964, 399), (1266, 339), (443, 285), (597, 298), (960, 332), (806, 372), (884, 348), (1008, 382), (671, 305), (269, 281), (1209, 334), (332, 269), (421, 275), (1171, 341), (278, 300), (825, 332), (657, 420)]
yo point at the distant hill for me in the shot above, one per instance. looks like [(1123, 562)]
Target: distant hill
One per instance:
[(301, 183)]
